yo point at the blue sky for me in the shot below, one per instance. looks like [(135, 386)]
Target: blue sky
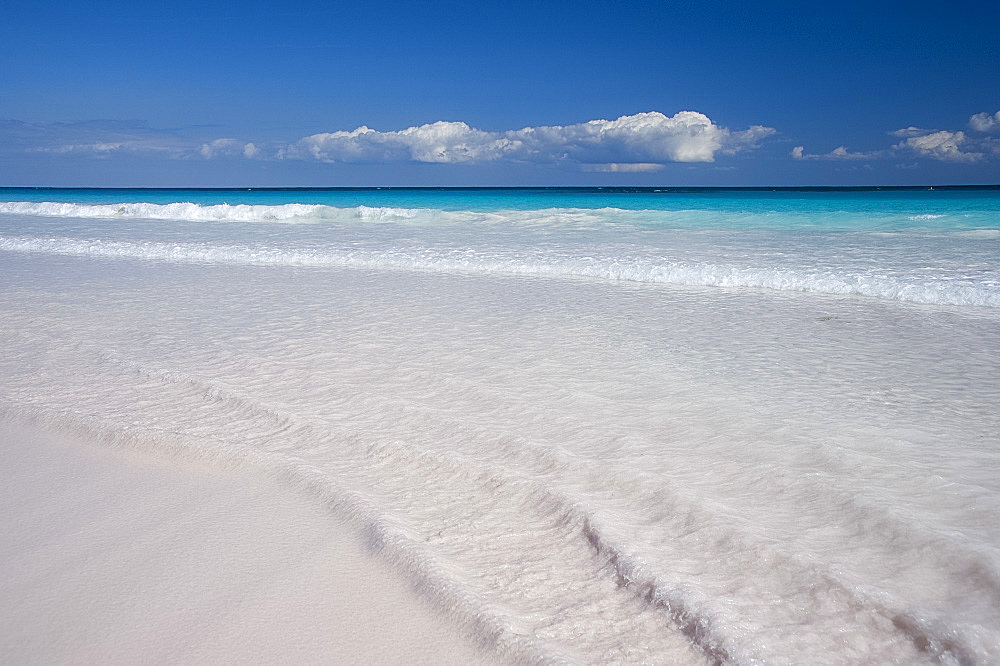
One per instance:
[(513, 93)]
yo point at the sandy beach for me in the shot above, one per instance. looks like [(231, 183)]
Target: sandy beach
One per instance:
[(117, 556)]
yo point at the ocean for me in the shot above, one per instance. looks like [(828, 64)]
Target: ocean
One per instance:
[(642, 425)]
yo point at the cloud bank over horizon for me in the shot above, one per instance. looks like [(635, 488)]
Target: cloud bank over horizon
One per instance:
[(641, 143), (638, 142), (629, 144)]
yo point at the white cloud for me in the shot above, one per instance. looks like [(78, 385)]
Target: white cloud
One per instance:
[(630, 143), (441, 142), (943, 146), (227, 148), (839, 153), (940, 145), (747, 139), (984, 122), (106, 148), (910, 131), (98, 147), (616, 167)]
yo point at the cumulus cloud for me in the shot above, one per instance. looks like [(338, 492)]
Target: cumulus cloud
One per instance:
[(984, 122), (442, 142), (630, 143), (942, 145), (228, 148)]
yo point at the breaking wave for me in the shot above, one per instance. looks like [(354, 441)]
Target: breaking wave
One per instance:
[(553, 216), (196, 212)]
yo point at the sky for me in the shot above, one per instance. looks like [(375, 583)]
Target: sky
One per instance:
[(262, 93)]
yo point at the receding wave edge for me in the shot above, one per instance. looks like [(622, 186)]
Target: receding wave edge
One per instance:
[(450, 260)]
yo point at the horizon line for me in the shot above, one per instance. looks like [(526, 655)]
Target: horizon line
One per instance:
[(637, 188)]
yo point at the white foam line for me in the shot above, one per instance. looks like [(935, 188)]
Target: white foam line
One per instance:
[(469, 261), (197, 212)]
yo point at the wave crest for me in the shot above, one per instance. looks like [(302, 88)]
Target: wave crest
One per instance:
[(292, 212)]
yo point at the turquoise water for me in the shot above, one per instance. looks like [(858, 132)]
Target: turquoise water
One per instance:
[(930, 246), (867, 208)]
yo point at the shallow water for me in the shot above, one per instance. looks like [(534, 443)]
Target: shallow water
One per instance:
[(937, 247), (573, 468)]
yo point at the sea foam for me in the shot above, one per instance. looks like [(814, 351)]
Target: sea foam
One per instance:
[(538, 263), (198, 212)]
